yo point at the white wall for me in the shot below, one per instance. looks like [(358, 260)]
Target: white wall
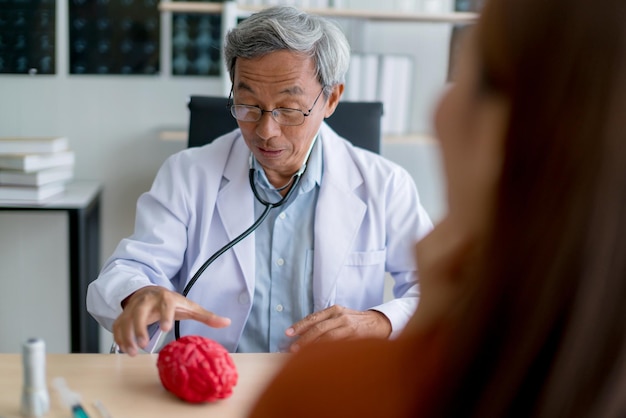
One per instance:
[(112, 123)]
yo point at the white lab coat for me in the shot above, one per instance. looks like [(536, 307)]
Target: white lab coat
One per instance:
[(367, 220)]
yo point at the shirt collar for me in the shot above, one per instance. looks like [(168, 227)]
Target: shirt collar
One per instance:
[(311, 177)]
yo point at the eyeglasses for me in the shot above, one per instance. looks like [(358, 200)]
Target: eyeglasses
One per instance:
[(282, 115)]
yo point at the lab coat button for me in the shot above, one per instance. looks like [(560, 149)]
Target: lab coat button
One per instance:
[(243, 298), (282, 215)]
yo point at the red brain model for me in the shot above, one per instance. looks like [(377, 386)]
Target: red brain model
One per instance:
[(197, 369)]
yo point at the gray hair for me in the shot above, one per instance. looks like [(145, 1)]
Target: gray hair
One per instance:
[(287, 28)]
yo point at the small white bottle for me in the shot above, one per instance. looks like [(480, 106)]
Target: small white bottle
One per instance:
[(35, 398)]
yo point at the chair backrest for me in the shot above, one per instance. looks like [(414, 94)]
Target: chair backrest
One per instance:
[(358, 122)]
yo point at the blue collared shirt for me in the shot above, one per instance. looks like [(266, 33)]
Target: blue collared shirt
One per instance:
[(283, 292)]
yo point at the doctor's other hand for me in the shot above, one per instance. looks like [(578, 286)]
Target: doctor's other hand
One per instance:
[(338, 323), (155, 303)]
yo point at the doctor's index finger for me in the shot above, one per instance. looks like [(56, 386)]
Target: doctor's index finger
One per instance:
[(192, 310)]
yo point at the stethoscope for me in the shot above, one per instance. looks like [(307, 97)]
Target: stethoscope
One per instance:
[(294, 181)]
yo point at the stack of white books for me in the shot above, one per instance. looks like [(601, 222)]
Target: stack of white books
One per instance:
[(387, 78), (33, 169)]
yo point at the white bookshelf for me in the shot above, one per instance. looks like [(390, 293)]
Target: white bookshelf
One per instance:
[(384, 15)]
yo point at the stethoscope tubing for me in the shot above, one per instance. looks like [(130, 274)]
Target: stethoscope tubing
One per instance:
[(268, 207)]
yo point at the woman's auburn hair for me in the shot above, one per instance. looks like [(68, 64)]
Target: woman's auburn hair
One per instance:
[(539, 330)]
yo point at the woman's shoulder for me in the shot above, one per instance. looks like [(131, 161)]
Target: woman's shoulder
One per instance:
[(364, 378)]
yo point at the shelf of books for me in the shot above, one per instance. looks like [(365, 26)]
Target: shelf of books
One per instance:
[(411, 11), (34, 169)]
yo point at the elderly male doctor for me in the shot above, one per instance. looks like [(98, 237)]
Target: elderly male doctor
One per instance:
[(315, 267)]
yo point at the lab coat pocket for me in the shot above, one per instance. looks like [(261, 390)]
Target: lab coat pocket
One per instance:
[(360, 284)]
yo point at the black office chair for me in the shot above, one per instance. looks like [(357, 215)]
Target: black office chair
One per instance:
[(359, 122)]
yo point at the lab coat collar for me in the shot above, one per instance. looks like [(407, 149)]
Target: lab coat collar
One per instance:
[(235, 205), (339, 215)]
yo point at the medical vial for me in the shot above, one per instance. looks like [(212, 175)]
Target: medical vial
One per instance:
[(35, 398)]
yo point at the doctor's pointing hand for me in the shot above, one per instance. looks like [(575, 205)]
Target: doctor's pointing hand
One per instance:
[(156, 304)]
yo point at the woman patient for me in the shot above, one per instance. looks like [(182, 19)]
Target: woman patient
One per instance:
[(523, 306)]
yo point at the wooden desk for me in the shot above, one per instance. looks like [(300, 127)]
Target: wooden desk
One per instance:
[(81, 202), (129, 387)]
